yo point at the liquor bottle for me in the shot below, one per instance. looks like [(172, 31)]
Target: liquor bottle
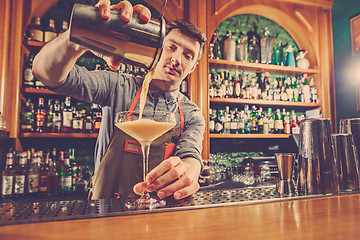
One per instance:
[(229, 47), (295, 128), (44, 170), (50, 32), (28, 78), (33, 175), (254, 120), (49, 120), (254, 52), (88, 124), (77, 122), (234, 121), (212, 120), (287, 123), (215, 45), (241, 122), (35, 31), (278, 123), (260, 121), (27, 117), (267, 44), (227, 120), (60, 161), (97, 122), (219, 127), (20, 175), (8, 174), (40, 116), (241, 49), (52, 179), (266, 124), (64, 26), (270, 120), (67, 116), (237, 88), (66, 177), (74, 169), (57, 117)]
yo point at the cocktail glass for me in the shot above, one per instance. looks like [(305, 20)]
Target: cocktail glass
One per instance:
[(145, 127)]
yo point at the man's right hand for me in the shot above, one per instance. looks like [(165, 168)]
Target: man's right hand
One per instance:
[(127, 11)]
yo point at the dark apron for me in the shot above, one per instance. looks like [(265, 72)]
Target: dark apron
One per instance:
[(121, 166)]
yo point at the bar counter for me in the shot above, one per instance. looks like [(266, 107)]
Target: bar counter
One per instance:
[(320, 217)]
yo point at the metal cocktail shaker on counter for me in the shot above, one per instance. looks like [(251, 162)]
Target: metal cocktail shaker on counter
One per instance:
[(132, 43)]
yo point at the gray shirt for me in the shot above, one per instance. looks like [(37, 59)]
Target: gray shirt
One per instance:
[(114, 92)]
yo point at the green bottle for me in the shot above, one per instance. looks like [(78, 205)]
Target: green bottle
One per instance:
[(66, 177)]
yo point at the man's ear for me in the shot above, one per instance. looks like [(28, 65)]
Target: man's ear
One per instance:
[(193, 68)]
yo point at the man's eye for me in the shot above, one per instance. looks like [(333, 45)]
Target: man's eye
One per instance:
[(188, 56)]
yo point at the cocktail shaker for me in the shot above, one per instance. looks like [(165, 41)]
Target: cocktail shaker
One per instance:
[(132, 43), (317, 171)]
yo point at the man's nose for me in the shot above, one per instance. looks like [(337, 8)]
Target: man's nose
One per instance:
[(176, 58)]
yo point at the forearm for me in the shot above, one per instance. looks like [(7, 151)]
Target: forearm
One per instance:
[(55, 60)]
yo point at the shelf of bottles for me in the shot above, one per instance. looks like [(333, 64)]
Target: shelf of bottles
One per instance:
[(35, 173), (255, 70)]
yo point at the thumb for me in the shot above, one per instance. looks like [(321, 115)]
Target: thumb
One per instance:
[(139, 188)]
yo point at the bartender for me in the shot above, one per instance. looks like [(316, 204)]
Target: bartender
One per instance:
[(175, 159)]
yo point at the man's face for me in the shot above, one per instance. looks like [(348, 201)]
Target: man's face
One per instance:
[(178, 59)]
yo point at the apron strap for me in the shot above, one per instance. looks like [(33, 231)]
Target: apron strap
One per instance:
[(136, 99), (181, 116)]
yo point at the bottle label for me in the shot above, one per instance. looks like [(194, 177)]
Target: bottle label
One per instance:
[(37, 35), (33, 183), (279, 124), (19, 184), (97, 125), (88, 126), (7, 184), (48, 36), (77, 124), (67, 119), (65, 181), (212, 125)]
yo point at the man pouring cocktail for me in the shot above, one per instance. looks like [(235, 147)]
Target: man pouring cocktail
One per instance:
[(175, 157)]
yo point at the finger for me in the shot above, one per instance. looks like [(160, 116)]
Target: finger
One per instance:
[(139, 188), (173, 175), (126, 10), (162, 168), (113, 64), (104, 8), (181, 188), (187, 191), (143, 12)]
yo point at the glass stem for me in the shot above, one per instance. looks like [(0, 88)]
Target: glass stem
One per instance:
[(145, 152)]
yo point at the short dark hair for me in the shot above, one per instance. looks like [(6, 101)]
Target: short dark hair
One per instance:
[(190, 30)]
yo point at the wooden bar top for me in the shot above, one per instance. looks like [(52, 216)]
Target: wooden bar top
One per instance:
[(328, 217)]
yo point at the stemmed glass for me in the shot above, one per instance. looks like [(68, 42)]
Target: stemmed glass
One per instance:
[(145, 127)]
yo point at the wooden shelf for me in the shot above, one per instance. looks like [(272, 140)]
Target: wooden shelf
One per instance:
[(38, 91), (58, 135), (214, 135), (265, 103), (260, 67)]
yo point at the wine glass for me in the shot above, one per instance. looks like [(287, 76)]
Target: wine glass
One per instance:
[(145, 127)]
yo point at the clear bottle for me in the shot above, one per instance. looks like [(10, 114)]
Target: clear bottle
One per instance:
[(215, 46), (212, 120), (35, 31), (40, 116), (241, 49), (278, 123), (66, 177), (57, 117), (50, 32), (229, 47), (8, 176), (33, 175), (20, 175), (67, 116)]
